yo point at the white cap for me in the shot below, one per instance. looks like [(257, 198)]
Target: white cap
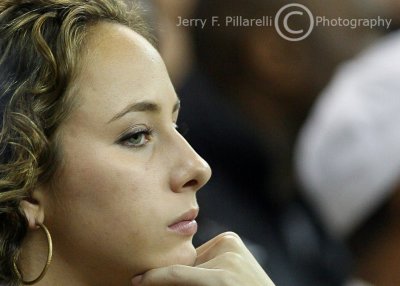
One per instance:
[(348, 153)]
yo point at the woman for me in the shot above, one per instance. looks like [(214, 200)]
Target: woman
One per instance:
[(91, 158)]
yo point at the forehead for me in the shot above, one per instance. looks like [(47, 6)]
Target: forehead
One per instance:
[(119, 67)]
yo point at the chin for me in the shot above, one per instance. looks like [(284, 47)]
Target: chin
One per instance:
[(183, 255), (186, 257)]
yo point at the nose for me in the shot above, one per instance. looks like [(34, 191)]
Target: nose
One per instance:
[(190, 171)]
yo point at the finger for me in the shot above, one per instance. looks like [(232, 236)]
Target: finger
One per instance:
[(178, 275), (214, 240), (227, 242), (225, 261), (238, 270), (234, 262)]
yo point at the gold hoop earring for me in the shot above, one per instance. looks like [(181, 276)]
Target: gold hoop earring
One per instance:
[(46, 267)]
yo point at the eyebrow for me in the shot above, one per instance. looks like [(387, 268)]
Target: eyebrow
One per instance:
[(143, 106)]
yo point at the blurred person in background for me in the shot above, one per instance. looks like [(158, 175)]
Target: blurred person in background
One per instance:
[(252, 91), (348, 159), (271, 81)]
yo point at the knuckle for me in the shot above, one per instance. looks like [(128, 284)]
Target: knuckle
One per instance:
[(227, 278), (235, 258), (173, 272), (230, 234), (232, 259), (231, 240)]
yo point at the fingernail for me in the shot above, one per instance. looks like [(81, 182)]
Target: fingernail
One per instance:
[(136, 280)]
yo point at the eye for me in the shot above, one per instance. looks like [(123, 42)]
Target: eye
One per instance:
[(138, 137)]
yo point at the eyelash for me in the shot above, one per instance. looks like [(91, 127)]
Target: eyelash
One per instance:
[(147, 133), (139, 131)]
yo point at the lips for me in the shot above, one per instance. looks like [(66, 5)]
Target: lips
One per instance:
[(185, 224)]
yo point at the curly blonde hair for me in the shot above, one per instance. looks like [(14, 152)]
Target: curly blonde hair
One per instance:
[(40, 46)]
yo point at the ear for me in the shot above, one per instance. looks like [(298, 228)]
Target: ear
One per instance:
[(33, 212)]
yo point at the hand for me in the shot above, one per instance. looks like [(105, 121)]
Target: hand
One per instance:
[(224, 260)]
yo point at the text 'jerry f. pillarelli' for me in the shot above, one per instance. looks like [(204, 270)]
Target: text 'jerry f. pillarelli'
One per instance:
[(227, 21)]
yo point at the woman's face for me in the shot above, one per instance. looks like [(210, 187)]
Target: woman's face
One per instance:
[(128, 174)]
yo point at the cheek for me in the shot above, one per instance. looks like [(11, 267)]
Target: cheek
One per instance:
[(97, 195), (97, 175), (99, 187), (109, 203)]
